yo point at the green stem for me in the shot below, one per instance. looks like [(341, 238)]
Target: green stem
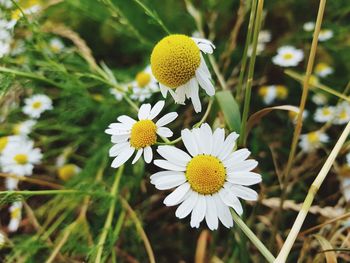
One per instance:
[(248, 90), (253, 238), (245, 51), (109, 218)]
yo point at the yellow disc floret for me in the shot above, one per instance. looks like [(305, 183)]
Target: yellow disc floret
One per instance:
[(143, 134), (67, 171), (313, 137), (282, 91), (174, 60), (36, 105), (3, 143), (143, 79), (288, 56), (206, 174), (21, 158)]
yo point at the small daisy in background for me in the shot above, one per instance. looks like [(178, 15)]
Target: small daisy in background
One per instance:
[(325, 34), (20, 157), (288, 56), (293, 116), (56, 45), (313, 140), (342, 114), (129, 135), (180, 68), (323, 70), (144, 86), (24, 128), (6, 4), (324, 114), (117, 93), (319, 99), (309, 26), (209, 179), (272, 92), (8, 141), (67, 171), (36, 105), (15, 216), (263, 38), (29, 8)]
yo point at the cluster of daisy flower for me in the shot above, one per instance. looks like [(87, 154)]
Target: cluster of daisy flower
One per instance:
[(18, 156), (325, 34), (212, 174)]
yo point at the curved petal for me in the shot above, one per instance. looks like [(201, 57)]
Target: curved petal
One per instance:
[(137, 156), (126, 120), (144, 111), (236, 157), (244, 178), (169, 166), (176, 196), (148, 154), (218, 141), (174, 155), (229, 143), (188, 140), (122, 157), (168, 182), (211, 216), (198, 211), (164, 132), (157, 108), (228, 197), (223, 212), (166, 119), (244, 192), (187, 206)]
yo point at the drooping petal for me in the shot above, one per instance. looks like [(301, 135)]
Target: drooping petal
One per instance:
[(122, 157), (189, 142), (157, 108), (187, 206), (137, 156), (166, 119), (175, 197), (244, 192), (144, 111), (211, 216), (223, 212), (198, 211)]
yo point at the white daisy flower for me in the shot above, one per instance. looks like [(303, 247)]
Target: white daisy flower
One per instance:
[(323, 70), (8, 141), (324, 114), (210, 179), (319, 99), (24, 128), (36, 105), (178, 65), (264, 36), (28, 8), (144, 86), (312, 140), (20, 158), (342, 115), (272, 92), (260, 47), (6, 3), (118, 95), (309, 26), (129, 135), (288, 56), (56, 45), (15, 216), (325, 34)]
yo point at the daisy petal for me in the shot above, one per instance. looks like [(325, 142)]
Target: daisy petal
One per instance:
[(211, 215), (164, 174), (236, 157), (164, 132), (176, 196), (189, 142), (163, 89), (229, 143), (206, 135), (228, 197), (137, 156), (198, 211), (118, 148), (165, 183), (218, 141), (148, 154), (122, 157), (187, 206), (223, 212), (244, 166), (126, 120), (244, 178), (244, 192), (194, 95), (156, 109), (169, 166), (144, 111), (174, 155), (167, 118)]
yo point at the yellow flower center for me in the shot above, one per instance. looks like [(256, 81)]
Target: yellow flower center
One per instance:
[(67, 171), (206, 174), (288, 56), (142, 79), (143, 134), (326, 111), (282, 91), (263, 91), (3, 143), (17, 128), (313, 137), (313, 80), (21, 158), (343, 115), (15, 213), (36, 105), (174, 60), (320, 67)]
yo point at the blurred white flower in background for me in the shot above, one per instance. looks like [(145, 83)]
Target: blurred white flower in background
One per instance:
[(312, 140), (24, 127), (36, 105), (144, 85), (319, 99), (288, 56), (325, 34), (323, 70), (309, 26), (56, 45), (342, 115), (272, 92), (15, 216), (324, 114)]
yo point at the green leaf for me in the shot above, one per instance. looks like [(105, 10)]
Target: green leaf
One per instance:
[(230, 110)]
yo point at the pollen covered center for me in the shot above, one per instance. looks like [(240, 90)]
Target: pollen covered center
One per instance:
[(288, 56), (143, 134), (143, 79), (206, 174), (37, 105), (174, 60), (313, 137), (3, 143), (21, 158)]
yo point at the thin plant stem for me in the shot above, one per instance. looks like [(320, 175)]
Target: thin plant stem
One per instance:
[(139, 229), (245, 51), (32, 180), (109, 218), (287, 246), (299, 123), (252, 237), (250, 75)]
